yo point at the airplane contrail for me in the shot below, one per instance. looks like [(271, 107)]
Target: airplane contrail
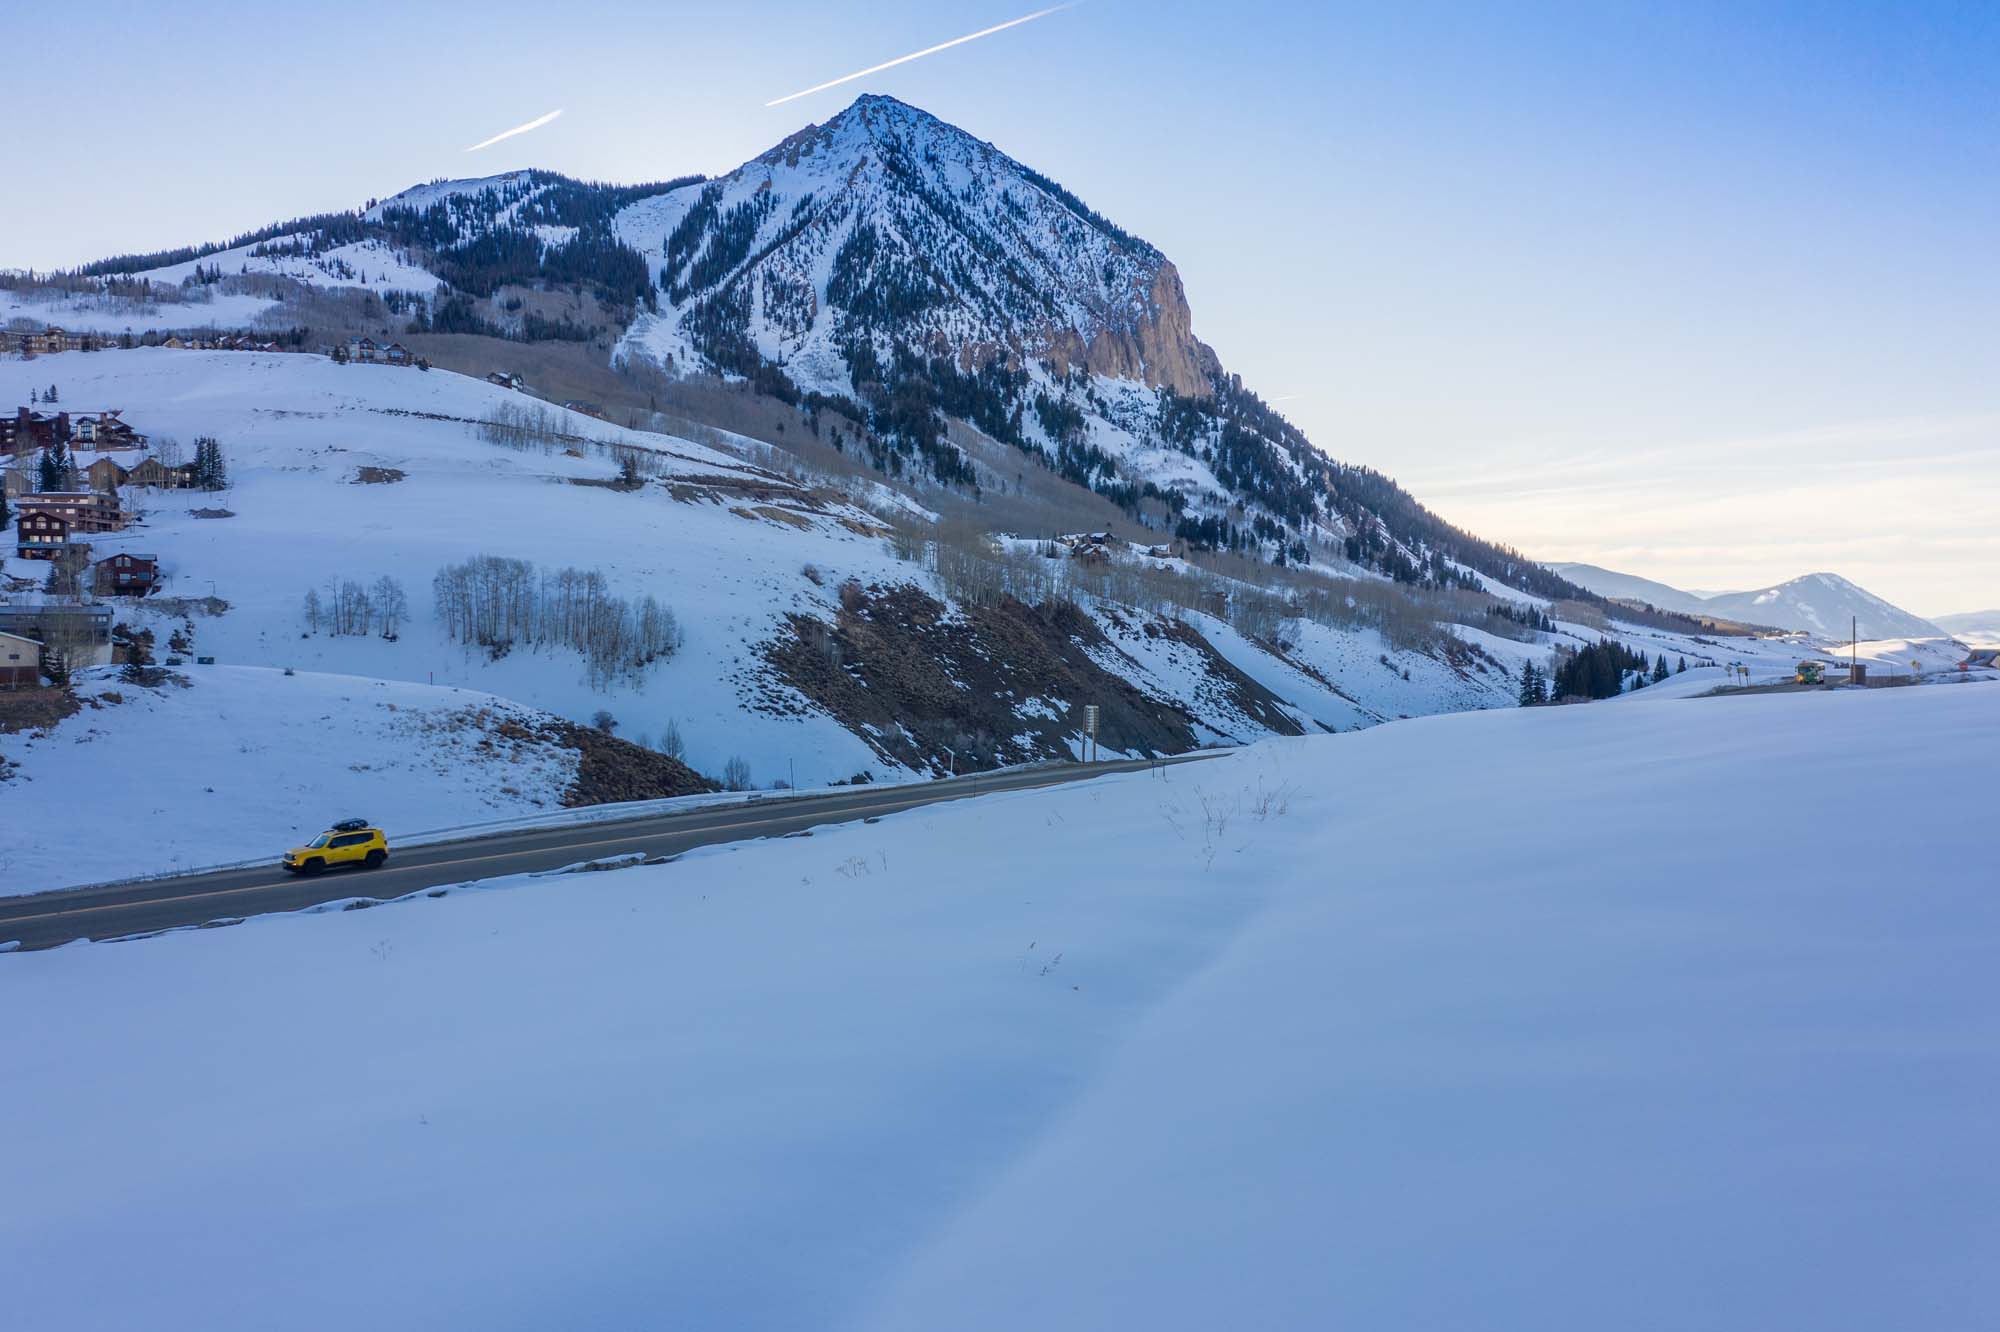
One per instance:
[(919, 55), (534, 124)]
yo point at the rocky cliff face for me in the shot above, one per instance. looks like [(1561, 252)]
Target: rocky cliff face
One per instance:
[(1158, 348)]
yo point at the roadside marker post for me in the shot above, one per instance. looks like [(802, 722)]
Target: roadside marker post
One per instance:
[(1090, 732)]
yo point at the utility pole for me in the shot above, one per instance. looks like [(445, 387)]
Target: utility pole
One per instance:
[(1853, 645)]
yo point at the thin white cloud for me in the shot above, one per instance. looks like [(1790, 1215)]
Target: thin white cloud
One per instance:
[(919, 55), (534, 124)]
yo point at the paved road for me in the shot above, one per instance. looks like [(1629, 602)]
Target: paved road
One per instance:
[(47, 919)]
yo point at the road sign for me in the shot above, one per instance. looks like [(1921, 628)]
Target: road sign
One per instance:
[(1090, 728)]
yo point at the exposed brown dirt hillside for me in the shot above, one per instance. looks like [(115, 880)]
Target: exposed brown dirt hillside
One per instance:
[(996, 684)]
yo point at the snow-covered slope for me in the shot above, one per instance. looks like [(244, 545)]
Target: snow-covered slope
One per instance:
[(1369, 1031), (301, 433), (450, 194), (109, 313), (364, 263)]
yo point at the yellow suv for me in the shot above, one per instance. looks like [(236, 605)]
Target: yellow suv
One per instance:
[(349, 842)]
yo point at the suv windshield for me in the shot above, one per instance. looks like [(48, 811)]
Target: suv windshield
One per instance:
[(320, 840)]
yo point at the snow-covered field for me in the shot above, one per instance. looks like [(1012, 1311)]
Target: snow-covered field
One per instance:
[(241, 762), (1577, 1018)]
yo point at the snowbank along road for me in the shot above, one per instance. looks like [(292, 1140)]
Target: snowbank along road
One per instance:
[(44, 920)]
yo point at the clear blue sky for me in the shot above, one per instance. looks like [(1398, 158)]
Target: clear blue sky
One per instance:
[(1703, 291)]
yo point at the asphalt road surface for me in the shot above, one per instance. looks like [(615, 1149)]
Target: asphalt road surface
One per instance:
[(44, 920)]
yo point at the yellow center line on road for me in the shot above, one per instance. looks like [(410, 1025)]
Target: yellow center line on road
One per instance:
[(774, 816)]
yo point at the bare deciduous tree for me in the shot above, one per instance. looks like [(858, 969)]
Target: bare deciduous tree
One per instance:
[(495, 602)]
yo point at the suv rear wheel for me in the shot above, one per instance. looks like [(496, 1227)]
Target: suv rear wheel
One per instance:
[(375, 859)]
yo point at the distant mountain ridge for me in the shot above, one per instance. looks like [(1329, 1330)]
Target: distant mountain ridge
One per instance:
[(1816, 603), (1631, 587), (1976, 628)]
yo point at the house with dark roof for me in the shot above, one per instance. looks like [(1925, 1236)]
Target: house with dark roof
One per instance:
[(126, 574), (40, 536), (106, 475), (153, 472), (104, 430)]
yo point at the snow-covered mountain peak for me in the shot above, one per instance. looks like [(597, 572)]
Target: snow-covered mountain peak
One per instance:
[(872, 118), (884, 229), (1818, 603), (1829, 604)]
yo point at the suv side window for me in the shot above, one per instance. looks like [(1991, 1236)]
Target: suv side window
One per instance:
[(350, 839)]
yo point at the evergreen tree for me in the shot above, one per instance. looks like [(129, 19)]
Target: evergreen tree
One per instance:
[(1660, 669), (5, 516), (1599, 671), (1684, 665), (56, 468), (210, 472), (1528, 699), (50, 396)]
